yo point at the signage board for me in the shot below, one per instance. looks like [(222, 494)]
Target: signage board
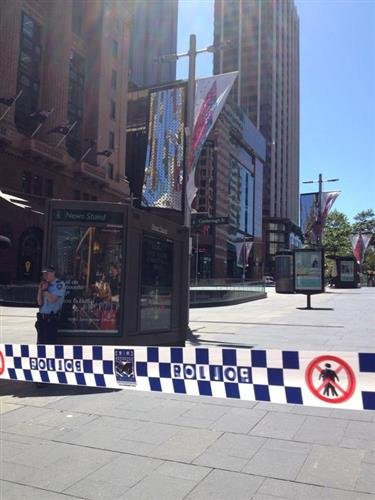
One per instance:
[(202, 221), (308, 270)]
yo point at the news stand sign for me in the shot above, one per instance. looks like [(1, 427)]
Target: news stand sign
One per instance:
[(309, 271)]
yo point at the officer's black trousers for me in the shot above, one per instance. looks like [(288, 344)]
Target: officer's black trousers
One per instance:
[(46, 326)]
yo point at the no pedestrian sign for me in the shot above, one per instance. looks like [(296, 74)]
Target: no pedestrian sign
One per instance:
[(330, 379)]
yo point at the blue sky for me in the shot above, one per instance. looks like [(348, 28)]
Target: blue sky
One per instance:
[(337, 78)]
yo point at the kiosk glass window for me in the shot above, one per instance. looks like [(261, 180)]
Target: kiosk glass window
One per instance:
[(89, 260), (156, 283)]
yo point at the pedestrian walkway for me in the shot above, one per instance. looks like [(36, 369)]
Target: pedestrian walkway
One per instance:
[(68, 442)]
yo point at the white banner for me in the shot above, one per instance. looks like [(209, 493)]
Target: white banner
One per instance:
[(210, 97)]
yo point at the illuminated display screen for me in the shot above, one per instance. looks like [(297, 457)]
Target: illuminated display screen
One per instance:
[(163, 180)]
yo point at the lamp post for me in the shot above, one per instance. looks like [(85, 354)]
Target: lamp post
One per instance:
[(320, 181), (190, 105)]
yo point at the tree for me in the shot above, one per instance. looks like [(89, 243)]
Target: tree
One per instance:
[(364, 222), (336, 239)]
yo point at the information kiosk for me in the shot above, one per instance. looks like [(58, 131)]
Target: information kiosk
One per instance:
[(125, 272)]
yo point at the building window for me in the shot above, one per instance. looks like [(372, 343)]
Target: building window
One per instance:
[(77, 17), (114, 79), (28, 77), (48, 188), (37, 185), (114, 48), (86, 196), (111, 143), (110, 170), (75, 103), (113, 110), (94, 198), (26, 182), (77, 194)]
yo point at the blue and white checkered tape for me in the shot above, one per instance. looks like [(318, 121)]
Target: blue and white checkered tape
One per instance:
[(339, 379)]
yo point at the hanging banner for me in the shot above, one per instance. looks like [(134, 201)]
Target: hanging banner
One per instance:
[(311, 224), (328, 199), (360, 243), (210, 96), (164, 165), (309, 215), (332, 380), (243, 250)]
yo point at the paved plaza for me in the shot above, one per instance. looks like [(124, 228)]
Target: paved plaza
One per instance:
[(70, 442)]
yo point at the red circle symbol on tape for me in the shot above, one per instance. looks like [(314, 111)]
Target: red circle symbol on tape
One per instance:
[(330, 379), (2, 363)]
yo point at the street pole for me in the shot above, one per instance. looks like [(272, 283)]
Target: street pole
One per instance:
[(196, 257), (319, 239), (190, 105)]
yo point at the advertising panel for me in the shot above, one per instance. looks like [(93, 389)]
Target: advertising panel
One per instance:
[(156, 283), (87, 248), (346, 270), (308, 271)]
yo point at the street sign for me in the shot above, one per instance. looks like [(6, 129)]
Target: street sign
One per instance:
[(202, 221)]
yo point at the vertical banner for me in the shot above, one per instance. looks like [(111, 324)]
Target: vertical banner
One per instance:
[(360, 243), (243, 250), (163, 178), (210, 96), (328, 199), (312, 222), (309, 215)]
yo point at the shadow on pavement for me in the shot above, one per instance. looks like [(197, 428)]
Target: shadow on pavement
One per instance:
[(197, 341), (272, 324), (20, 389), (318, 309)]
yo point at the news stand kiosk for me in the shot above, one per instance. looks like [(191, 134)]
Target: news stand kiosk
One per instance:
[(125, 272)]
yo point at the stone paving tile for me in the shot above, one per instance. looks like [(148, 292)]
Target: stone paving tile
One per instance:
[(170, 481), (121, 435), (53, 466), (366, 480), (321, 430), (278, 425), (332, 466), (223, 485), (240, 420), (359, 435), (7, 407), (186, 445), (115, 478), (278, 459), (359, 415), (274, 488), (14, 491), (230, 451), (201, 416)]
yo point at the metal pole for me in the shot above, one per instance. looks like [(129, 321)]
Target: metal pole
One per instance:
[(190, 119), (196, 258), (319, 238)]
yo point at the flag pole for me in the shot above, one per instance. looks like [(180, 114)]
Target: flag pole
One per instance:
[(62, 138), (40, 124), (8, 108)]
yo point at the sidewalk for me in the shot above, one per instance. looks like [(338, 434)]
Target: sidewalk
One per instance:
[(68, 442)]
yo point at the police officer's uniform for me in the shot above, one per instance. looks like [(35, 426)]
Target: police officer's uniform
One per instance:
[(48, 315)]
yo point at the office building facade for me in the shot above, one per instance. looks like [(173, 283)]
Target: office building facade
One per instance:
[(66, 63), (153, 33), (264, 48)]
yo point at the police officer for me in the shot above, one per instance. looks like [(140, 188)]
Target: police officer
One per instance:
[(50, 298)]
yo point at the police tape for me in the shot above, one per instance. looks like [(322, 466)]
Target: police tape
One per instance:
[(340, 379)]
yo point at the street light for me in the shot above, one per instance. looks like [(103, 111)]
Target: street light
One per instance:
[(320, 181), (191, 54)]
